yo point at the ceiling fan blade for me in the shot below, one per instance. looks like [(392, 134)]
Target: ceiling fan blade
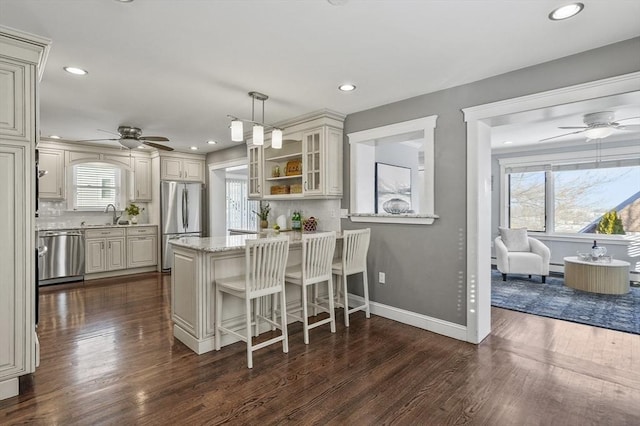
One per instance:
[(158, 146), (629, 127), (153, 138), (110, 132), (630, 118), (559, 136), (95, 140), (573, 127)]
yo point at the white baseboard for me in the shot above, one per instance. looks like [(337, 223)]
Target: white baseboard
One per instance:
[(446, 328), (9, 388)]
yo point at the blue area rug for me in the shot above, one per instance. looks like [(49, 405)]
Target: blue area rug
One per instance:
[(555, 300)]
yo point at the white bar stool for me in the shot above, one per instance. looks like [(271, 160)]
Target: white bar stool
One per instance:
[(355, 246), (317, 256), (266, 260)]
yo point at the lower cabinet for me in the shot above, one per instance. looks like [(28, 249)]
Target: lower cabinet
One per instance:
[(142, 250), (105, 250), (118, 249)]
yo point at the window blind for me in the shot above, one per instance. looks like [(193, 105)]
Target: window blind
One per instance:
[(95, 186), (240, 210)]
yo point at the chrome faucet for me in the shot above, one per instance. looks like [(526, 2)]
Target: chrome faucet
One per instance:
[(115, 217)]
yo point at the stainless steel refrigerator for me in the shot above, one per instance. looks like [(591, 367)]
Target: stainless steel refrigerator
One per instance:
[(182, 207)]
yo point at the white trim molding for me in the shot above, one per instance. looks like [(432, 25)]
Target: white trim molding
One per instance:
[(479, 120), (435, 325), (363, 154)]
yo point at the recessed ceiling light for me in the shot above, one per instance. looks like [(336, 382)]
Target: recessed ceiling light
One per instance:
[(566, 11), (337, 2), (124, 1), (54, 137), (347, 87), (507, 142), (194, 148), (212, 142), (76, 71)]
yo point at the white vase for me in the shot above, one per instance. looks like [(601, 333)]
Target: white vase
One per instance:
[(134, 220)]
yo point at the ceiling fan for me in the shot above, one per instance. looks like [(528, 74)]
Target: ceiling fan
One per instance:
[(599, 125), (131, 137)]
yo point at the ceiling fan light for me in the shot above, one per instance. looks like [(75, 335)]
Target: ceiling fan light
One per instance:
[(258, 135), (598, 132), (237, 132), (276, 139), (130, 143)]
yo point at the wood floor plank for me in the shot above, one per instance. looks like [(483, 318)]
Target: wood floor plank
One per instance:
[(109, 357)]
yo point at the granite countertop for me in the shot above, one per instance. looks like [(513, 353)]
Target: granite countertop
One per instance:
[(60, 227), (231, 242)]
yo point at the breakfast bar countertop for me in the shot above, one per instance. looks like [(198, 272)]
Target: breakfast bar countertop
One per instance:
[(230, 242)]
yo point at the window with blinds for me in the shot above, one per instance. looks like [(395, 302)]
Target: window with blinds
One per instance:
[(240, 210), (95, 186)]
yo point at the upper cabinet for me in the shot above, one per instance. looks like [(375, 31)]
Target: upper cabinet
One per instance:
[(182, 168), (254, 154), (141, 180), (51, 185), (309, 164)]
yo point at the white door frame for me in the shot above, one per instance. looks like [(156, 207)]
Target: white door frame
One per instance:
[(217, 191), (479, 121)]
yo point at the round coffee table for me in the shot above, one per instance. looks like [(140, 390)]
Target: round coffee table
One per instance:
[(597, 277)]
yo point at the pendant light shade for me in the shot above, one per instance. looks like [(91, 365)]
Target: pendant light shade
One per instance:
[(258, 135), (276, 139), (237, 133)]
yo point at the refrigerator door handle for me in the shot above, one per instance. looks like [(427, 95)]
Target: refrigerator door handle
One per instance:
[(186, 203), (184, 208)]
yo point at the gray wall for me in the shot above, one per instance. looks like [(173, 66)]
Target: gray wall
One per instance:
[(425, 266)]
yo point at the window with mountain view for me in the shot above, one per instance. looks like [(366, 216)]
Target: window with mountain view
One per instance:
[(579, 196)]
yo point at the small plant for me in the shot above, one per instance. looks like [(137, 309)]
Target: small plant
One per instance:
[(610, 223), (133, 210), (263, 214)]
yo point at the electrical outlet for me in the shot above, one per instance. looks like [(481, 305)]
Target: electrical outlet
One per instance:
[(381, 277)]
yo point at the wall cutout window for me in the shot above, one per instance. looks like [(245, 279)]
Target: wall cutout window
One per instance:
[(96, 185), (392, 173)]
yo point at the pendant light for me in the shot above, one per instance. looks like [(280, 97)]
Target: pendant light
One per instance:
[(237, 132), (237, 128), (276, 139)]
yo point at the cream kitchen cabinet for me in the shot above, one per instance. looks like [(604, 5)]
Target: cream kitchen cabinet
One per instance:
[(142, 245), (254, 155), (322, 162), (141, 180), (182, 169), (314, 157), (105, 250), (51, 186), (73, 157), (22, 58)]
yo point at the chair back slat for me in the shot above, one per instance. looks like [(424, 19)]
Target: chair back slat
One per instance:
[(266, 260), (355, 246), (317, 256)]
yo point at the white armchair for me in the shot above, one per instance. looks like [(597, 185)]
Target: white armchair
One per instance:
[(521, 255)]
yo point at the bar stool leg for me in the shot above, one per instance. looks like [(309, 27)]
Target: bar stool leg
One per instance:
[(305, 319), (247, 307), (346, 299)]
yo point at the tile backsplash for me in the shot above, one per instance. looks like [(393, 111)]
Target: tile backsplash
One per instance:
[(326, 212), (55, 214)]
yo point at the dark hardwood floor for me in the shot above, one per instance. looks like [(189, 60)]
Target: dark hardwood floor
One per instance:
[(109, 357)]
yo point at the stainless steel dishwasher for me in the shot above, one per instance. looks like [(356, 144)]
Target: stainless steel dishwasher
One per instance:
[(64, 258)]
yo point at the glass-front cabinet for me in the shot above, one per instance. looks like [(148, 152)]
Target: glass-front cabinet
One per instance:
[(308, 165), (254, 154)]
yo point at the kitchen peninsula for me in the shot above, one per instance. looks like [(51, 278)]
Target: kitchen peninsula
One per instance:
[(197, 263)]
